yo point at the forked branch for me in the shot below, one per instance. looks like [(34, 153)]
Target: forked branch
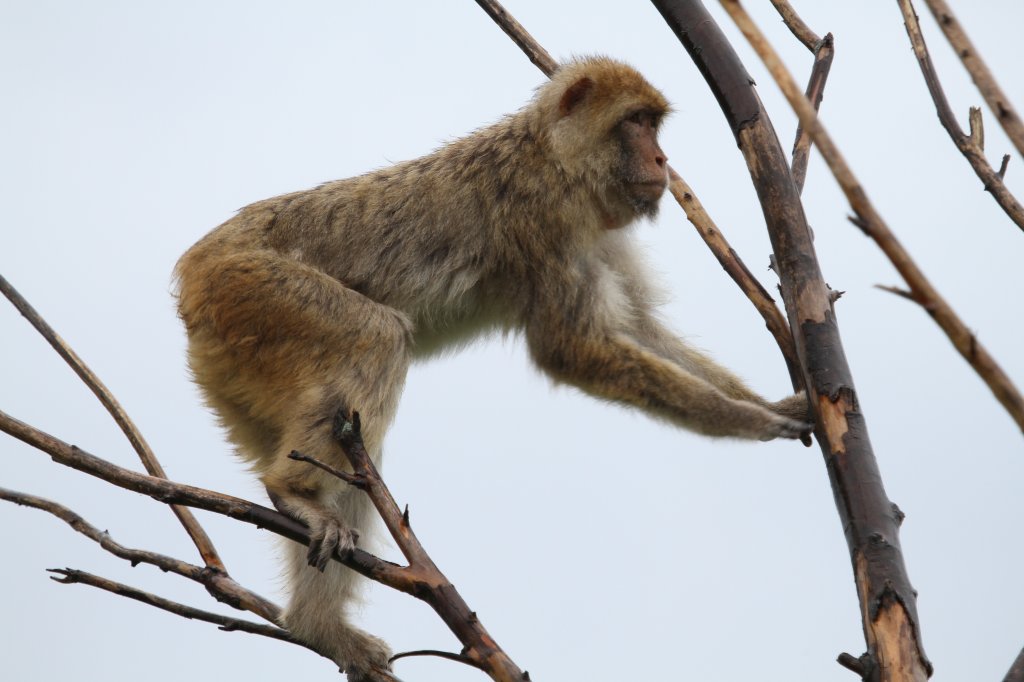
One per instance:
[(149, 461), (994, 96), (869, 220), (971, 146)]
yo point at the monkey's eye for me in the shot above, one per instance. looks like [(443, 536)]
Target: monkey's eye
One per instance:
[(643, 119)]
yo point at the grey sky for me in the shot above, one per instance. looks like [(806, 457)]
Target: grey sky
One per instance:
[(595, 543)]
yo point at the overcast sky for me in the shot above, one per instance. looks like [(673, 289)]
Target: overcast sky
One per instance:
[(595, 543)]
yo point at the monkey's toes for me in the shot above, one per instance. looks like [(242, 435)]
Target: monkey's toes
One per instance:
[(370, 660), (330, 537)]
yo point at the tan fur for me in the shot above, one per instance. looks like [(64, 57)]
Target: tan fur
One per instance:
[(314, 301)]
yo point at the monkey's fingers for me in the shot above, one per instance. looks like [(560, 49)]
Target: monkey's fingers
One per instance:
[(788, 428), (331, 537)]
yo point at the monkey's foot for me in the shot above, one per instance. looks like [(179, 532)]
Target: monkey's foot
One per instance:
[(365, 658), (329, 535)]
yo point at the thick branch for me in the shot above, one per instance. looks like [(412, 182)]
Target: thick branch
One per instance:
[(149, 461), (886, 596), (994, 96), (219, 584), (972, 151), (730, 261), (1016, 671)]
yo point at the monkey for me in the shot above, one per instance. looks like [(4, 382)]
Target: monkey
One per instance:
[(319, 300)]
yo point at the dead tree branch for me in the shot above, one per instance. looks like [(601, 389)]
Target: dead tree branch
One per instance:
[(872, 527), (422, 574), (71, 576), (869, 220), (218, 583), (421, 579), (169, 492), (994, 96), (199, 537), (971, 146), (824, 50), (1016, 671), (726, 256), (796, 25)]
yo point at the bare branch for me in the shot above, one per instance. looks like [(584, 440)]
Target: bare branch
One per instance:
[(520, 36), (903, 293), (851, 663), (421, 579), (459, 658), (774, 320), (823, 54), (70, 576), (149, 461), (795, 24), (169, 492), (1016, 671), (730, 261), (874, 226), (219, 584), (974, 154), (432, 586), (994, 96)]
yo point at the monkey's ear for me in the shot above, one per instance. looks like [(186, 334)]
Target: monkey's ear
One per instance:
[(574, 95)]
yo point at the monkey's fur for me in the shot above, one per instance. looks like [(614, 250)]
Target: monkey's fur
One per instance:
[(313, 301)]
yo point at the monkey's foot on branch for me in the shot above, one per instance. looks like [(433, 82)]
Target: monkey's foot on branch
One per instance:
[(328, 533)]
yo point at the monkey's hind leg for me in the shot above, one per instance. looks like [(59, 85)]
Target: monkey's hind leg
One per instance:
[(366, 374), (279, 350)]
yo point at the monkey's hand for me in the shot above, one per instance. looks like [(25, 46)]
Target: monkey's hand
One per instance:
[(327, 532)]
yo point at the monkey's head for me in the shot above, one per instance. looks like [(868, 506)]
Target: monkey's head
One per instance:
[(601, 120)]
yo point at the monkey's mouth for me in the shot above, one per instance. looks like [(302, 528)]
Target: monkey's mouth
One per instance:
[(650, 190)]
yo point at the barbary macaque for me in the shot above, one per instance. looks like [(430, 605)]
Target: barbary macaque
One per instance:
[(316, 301)]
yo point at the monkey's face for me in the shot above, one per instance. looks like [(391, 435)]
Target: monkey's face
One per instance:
[(642, 166)]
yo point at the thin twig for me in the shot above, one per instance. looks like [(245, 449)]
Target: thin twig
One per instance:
[(795, 24), (71, 576), (223, 588), (902, 293), (823, 53), (199, 537), (874, 226), (972, 152), (774, 320), (459, 658), (994, 96)]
